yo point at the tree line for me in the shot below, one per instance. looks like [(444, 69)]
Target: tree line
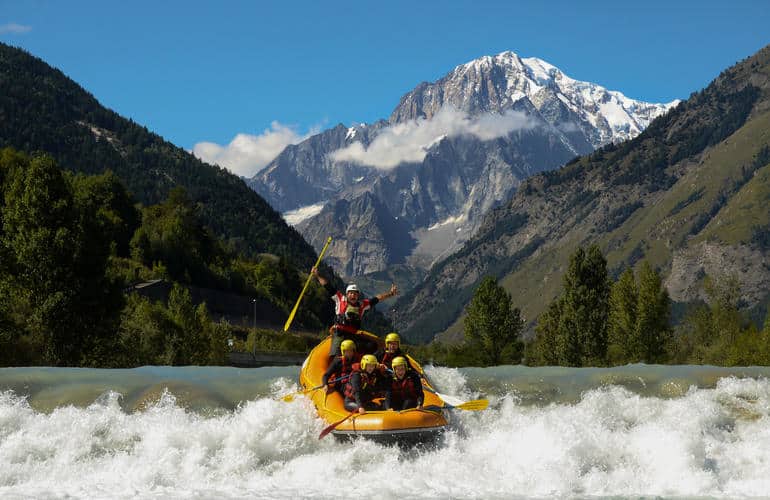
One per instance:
[(598, 321)]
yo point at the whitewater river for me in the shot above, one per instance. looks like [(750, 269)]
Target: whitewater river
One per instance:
[(159, 432)]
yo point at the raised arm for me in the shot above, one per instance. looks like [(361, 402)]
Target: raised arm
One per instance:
[(391, 293), (323, 281)]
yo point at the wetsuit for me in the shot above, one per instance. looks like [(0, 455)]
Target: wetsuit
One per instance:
[(386, 358), (340, 368), (363, 387), (405, 393)]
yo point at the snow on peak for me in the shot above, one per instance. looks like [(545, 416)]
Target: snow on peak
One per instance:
[(615, 116)]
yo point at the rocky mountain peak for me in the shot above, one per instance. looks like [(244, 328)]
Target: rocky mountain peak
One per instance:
[(494, 84)]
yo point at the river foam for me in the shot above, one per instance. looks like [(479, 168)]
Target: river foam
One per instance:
[(581, 436)]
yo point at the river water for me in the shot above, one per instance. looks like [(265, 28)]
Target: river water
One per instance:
[(160, 432)]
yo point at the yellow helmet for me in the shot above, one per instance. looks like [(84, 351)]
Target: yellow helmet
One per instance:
[(347, 344), (399, 361), (368, 359), (392, 337)]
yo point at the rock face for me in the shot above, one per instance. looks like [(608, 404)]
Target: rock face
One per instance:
[(304, 174), (374, 226), (749, 265), (439, 200)]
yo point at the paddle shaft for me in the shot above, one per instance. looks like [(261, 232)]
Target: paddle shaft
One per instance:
[(343, 377), (290, 397), (307, 283), (474, 405), (333, 426)]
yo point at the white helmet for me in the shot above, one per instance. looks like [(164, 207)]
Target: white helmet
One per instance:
[(352, 288)]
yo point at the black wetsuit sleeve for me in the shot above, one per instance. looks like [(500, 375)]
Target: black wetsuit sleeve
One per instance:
[(386, 386), (374, 301), (418, 388), (330, 289), (334, 367), (355, 382), (379, 355)]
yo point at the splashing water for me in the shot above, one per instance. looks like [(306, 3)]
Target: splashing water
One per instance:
[(224, 433)]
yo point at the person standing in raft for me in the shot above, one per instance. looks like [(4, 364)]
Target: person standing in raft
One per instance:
[(391, 351), (365, 384), (405, 387), (348, 312), (341, 367)]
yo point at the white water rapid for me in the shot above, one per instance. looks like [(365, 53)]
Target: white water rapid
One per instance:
[(224, 433)]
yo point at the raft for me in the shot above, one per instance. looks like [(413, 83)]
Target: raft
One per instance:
[(407, 426)]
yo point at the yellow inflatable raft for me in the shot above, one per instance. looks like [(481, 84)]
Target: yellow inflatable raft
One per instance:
[(401, 426)]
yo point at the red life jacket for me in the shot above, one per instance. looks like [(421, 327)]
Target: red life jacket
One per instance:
[(404, 388), (388, 357), (348, 314)]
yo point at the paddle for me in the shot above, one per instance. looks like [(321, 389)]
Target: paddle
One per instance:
[(474, 405), (307, 283), (290, 397), (333, 426)]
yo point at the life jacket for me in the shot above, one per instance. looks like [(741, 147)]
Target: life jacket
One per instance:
[(348, 314), (346, 369), (388, 357), (405, 388), (368, 385)]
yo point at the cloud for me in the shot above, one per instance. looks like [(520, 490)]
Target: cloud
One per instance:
[(409, 141), (248, 154), (14, 28)]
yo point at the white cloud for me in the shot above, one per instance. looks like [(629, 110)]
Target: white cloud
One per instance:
[(14, 28), (248, 154), (409, 142), (568, 127)]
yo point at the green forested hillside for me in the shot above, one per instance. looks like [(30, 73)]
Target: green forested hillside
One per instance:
[(70, 246), (43, 110), (689, 195)]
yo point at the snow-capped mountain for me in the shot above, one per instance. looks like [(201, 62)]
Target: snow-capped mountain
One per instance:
[(465, 143), (493, 84)]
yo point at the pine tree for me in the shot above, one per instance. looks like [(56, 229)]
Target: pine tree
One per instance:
[(583, 327), (652, 330), (622, 319), (492, 326), (544, 349)]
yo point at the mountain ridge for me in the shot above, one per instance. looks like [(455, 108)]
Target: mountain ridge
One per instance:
[(653, 196)]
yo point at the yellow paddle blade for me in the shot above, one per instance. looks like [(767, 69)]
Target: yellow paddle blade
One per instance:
[(289, 397), (475, 405)]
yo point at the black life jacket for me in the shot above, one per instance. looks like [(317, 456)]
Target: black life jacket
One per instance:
[(369, 383), (346, 370)]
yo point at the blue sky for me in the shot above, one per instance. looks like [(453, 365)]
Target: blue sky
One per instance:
[(205, 72)]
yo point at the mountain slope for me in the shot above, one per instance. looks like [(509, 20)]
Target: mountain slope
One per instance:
[(689, 194), (43, 110)]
